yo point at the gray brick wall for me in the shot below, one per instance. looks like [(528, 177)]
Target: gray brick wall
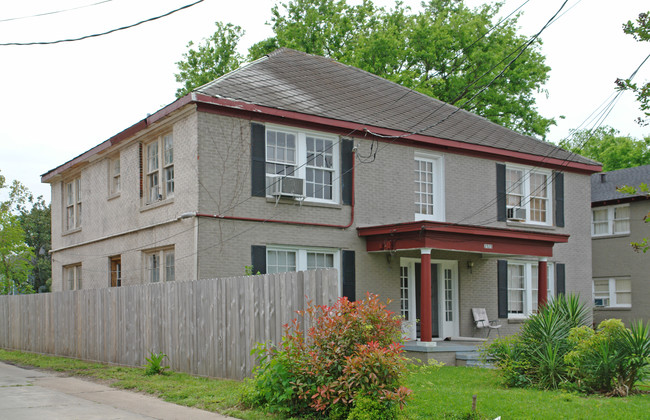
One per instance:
[(614, 257)]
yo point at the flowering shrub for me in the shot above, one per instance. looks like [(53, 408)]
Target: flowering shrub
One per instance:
[(351, 352)]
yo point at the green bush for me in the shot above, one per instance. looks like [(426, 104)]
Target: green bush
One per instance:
[(609, 360), (556, 349), (351, 350), (366, 408)]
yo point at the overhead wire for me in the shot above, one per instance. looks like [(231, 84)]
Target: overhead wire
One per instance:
[(54, 11), (59, 41)]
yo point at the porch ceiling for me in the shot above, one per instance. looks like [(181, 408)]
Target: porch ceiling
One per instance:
[(456, 237)]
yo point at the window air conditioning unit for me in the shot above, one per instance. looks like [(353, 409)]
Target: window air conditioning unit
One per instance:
[(516, 213), (601, 302), (286, 186)]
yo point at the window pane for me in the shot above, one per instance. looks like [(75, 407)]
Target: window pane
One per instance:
[(169, 149), (170, 272), (424, 188)]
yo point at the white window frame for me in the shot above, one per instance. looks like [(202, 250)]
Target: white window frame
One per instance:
[(72, 204), (611, 220), (301, 258), (72, 277), (612, 292), (527, 195), (156, 183), (114, 176), (156, 265), (529, 298), (301, 163), (437, 186)]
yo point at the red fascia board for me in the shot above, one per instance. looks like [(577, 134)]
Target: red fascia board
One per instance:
[(449, 228), (460, 242), (263, 113)]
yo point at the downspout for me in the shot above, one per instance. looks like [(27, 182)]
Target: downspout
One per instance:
[(286, 222)]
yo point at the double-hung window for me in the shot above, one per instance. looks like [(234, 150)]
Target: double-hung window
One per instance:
[(528, 195), (72, 277), (523, 287), (310, 157), (613, 292), (115, 176), (282, 259), (160, 265), (429, 188), (610, 220), (159, 161), (73, 204)]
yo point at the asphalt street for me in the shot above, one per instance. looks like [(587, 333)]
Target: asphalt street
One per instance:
[(28, 394)]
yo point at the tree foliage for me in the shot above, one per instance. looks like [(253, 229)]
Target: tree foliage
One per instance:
[(214, 57), (640, 30), (24, 240), (607, 146), (447, 51)]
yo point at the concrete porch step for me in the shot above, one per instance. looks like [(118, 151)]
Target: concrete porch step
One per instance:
[(471, 358)]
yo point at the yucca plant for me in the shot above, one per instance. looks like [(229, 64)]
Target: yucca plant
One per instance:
[(635, 348)]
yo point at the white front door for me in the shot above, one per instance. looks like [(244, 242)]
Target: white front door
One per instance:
[(448, 298), (446, 304)]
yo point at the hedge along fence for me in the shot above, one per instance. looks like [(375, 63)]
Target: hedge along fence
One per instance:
[(205, 327)]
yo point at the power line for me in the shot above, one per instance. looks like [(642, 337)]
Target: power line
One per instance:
[(54, 12), (102, 33)]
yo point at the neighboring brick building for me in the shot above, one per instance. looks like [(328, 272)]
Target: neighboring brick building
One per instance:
[(296, 161), (621, 283)]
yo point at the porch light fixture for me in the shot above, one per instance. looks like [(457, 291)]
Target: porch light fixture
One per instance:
[(470, 265)]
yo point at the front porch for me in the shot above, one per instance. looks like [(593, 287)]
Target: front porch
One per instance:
[(445, 270), (458, 351)]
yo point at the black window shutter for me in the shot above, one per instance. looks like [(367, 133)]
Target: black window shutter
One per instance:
[(501, 192), (559, 198), (502, 287), (258, 160), (347, 274), (258, 259), (560, 279), (346, 171)]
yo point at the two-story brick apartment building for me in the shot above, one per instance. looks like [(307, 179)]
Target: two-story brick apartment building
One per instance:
[(297, 162), (618, 219)]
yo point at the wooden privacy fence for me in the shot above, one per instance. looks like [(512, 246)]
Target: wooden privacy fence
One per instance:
[(205, 327)]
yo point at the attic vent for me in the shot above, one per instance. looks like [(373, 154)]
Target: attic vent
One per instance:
[(286, 186)]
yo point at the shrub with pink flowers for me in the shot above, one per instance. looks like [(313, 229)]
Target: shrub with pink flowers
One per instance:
[(351, 352)]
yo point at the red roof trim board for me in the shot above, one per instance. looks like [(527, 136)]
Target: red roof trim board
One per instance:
[(267, 114), (468, 238)]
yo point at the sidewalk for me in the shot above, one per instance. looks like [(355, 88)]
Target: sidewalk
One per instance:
[(32, 394)]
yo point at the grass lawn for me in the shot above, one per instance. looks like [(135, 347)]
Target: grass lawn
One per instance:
[(447, 394), (441, 394)]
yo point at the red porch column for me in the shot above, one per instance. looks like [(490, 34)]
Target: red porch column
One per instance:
[(542, 283), (425, 295)]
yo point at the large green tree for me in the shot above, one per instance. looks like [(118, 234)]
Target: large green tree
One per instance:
[(214, 56), (607, 146), (640, 30), (15, 254), (448, 51)]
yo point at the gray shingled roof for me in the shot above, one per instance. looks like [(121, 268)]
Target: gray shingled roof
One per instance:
[(604, 184), (294, 81)]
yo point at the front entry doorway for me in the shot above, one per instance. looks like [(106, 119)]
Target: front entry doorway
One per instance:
[(444, 295)]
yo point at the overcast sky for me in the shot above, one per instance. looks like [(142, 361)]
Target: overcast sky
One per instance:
[(60, 100)]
